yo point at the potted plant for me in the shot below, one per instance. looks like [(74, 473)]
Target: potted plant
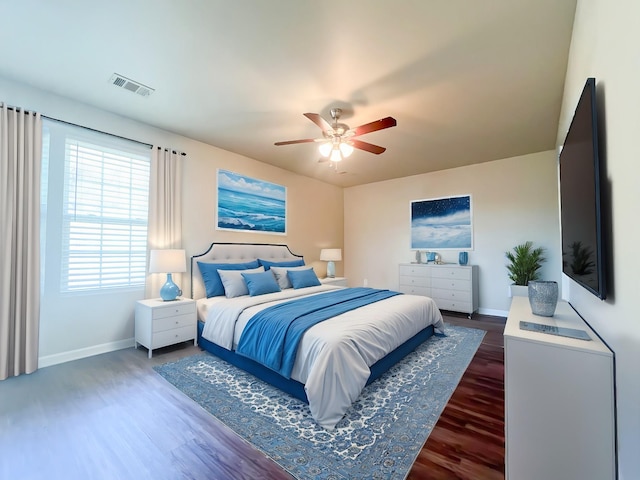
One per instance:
[(524, 265)]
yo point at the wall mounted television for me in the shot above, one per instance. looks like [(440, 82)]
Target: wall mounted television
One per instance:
[(583, 255)]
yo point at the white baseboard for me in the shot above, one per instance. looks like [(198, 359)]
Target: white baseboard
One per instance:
[(63, 357), (494, 313)]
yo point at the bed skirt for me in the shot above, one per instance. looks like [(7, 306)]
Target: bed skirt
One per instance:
[(294, 387)]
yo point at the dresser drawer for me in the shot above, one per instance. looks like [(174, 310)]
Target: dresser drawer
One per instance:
[(167, 323), (176, 335), (451, 272), (180, 308), (407, 280), (451, 295), (451, 284), (454, 305), (415, 290), (414, 271)]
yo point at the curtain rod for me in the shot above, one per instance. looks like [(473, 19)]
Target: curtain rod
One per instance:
[(97, 131), (94, 130)]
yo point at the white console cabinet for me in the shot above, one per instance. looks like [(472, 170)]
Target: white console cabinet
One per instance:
[(559, 400), (453, 287)]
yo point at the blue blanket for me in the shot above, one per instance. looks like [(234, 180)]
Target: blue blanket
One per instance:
[(271, 337)]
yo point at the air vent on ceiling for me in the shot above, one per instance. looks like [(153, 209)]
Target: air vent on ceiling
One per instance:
[(131, 85)]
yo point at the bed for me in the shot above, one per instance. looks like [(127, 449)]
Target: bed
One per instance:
[(368, 339)]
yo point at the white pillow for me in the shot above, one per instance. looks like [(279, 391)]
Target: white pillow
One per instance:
[(233, 282), (281, 275)]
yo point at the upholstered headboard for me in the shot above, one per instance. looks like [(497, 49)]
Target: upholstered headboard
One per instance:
[(235, 253)]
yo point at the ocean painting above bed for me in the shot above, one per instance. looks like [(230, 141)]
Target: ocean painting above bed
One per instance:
[(250, 205), (368, 338)]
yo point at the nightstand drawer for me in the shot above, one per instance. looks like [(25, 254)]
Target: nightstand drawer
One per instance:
[(167, 323), (169, 337), (180, 308)]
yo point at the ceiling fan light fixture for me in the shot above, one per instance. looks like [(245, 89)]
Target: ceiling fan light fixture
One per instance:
[(325, 149), (336, 155), (346, 149)]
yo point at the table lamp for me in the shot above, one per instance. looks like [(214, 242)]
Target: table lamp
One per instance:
[(331, 255), (168, 261)]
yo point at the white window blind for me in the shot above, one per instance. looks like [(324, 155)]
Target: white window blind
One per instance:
[(103, 209)]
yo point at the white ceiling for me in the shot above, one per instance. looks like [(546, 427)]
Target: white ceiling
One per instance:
[(468, 81)]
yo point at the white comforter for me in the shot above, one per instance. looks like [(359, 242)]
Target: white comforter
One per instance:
[(334, 356)]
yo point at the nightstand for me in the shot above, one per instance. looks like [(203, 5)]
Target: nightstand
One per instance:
[(339, 281), (160, 323)]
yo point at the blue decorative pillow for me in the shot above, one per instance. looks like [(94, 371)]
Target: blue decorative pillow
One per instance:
[(281, 275), (261, 283), (211, 278), (289, 263), (303, 278)]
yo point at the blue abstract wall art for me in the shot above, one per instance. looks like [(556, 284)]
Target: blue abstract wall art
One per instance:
[(442, 223), (250, 205)]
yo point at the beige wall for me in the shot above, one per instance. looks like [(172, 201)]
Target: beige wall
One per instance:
[(605, 46), (513, 200), (94, 324), (314, 209)]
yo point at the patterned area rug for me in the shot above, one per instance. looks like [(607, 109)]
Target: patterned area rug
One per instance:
[(379, 437)]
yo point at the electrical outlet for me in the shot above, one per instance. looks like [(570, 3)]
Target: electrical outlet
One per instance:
[(365, 282)]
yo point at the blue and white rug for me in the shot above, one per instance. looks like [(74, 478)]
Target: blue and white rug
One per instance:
[(379, 437)]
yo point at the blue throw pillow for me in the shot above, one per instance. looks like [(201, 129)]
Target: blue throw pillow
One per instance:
[(212, 282), (289, 263), (261, 283), (303, 278)]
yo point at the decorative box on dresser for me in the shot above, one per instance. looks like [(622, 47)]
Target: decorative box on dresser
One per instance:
[(160, 323), (559, 400), (453, 287)]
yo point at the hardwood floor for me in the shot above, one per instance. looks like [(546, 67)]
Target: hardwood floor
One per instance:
[(111, 417), (468, 440)]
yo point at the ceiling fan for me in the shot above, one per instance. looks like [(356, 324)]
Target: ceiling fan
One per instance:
[(339, 140)]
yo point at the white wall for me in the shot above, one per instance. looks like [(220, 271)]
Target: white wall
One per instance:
[(94, 324), (605, 46), (513, 200)]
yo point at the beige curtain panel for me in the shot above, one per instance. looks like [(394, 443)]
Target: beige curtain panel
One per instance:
[(20, 165), (165, 211)]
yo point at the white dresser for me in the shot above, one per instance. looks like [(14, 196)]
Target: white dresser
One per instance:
[(559, 400), (160, 323), (453, 287)]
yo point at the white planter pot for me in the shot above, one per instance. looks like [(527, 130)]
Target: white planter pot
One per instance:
[(518, 290)]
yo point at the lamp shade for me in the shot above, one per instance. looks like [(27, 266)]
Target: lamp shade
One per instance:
[(331, 254), (167, 261)]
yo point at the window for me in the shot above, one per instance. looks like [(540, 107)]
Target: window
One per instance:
[(96, 208)]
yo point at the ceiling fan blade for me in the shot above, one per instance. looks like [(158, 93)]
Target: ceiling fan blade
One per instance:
[(369, 147), (291, 142), (374, 126), (318, 120)]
